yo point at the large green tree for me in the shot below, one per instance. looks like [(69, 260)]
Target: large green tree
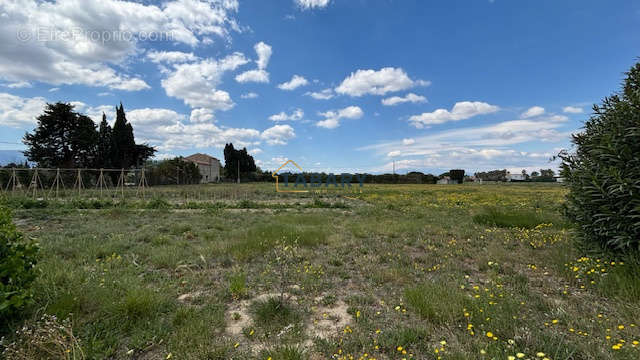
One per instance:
[(62, 138), (66, 139), (603, 174), (237, 159), (493, 175), (84, 143)]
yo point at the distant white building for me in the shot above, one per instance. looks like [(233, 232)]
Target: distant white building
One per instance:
[(208, 165), (446, 180), (516, 177)]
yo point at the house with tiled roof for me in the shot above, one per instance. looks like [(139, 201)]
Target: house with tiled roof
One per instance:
[(208, 165)]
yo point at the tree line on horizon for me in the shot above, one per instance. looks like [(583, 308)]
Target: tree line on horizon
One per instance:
[(544, 175), (417, 177)]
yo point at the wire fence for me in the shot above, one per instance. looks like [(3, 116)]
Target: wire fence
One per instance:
[(122, 184), (60, 182)]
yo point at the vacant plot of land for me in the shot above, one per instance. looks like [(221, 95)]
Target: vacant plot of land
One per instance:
[(392, 272)]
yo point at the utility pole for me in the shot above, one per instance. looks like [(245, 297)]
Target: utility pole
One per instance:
[(177, 175), (238, 172), (394, 167)]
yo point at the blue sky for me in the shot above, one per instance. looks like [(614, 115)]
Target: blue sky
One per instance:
[(335, 85)]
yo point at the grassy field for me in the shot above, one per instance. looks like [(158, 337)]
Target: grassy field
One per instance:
[(389, 272)]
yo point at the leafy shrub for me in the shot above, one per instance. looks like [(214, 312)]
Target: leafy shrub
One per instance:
[(158, 203), (603, 174), (247, 204), (88, 204), (17, 259), (29, 203)]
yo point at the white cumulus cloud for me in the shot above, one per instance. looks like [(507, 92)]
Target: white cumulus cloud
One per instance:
[(325, 94), (19, 85), (297, 114), (559, 118), (278, 135), (379, 82), (171, 57), (533, 112), (410, 97), (196, 83), (460, 111), (154, 116), (311, 4), (201, 115), (332, 117), (259, 75), (19, 112), (181, 136), (572, 110), (264, 52), (249, 95), (295, 82), (86, 42)]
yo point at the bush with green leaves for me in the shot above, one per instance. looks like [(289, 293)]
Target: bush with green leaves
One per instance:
[(17, 260), (603, 174)]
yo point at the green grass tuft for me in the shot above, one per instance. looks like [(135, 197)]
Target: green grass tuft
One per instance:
[(238, 285), (511, 218), (273, 314), (140, 304), (261, 238), (284, 353), (405, 337), (438, 302)]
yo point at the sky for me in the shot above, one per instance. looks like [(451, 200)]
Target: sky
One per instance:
[(336, 85)]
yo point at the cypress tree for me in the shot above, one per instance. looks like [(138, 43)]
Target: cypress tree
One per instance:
[(104, 144), (123, 153)]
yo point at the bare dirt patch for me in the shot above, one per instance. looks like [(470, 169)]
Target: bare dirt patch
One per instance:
[(328, 321), (238, 315)]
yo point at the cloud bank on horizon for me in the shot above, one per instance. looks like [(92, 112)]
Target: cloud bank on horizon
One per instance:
[(311, 80)]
